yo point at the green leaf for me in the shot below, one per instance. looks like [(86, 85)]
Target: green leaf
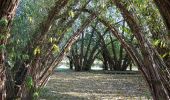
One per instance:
[(29, 82), (54, 39), (71, 13), (55, 48), (50, 40), (2, 36), (37, 51), (3, 22), (35, 95), (156, 42), (30, 19), (2, 47), (164, 55), (25, 56)]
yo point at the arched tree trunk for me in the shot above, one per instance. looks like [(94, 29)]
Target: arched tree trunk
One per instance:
[(158, 81), (7, 12), (164, 6)]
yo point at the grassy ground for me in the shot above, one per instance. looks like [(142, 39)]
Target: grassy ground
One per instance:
[(95, 86)]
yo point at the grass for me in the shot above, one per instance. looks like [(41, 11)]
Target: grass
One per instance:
[(69, 85)]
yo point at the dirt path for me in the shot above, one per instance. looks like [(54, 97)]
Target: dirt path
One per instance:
[(95, 86)]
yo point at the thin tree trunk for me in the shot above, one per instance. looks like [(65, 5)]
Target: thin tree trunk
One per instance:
[(82, 51), (71, 61), (105, 65), (88, 47)]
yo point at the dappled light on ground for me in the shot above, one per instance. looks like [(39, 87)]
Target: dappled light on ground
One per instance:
[(95, 86)]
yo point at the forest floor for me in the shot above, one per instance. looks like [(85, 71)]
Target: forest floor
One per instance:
[(69, 85)]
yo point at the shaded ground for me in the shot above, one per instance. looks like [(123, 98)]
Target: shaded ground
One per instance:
[(95, 86)]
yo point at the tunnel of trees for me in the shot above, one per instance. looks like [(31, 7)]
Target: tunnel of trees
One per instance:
[(35, 35)]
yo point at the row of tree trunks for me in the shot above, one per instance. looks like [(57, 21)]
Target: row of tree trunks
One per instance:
[(7, 12), (92, 53), (113, 62), (105, 51), (83, 60)]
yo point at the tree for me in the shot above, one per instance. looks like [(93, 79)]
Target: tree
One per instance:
[(163, 6), (7, 12), (151, 58)]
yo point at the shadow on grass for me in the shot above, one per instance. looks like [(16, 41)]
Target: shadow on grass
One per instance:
[(94, 85)]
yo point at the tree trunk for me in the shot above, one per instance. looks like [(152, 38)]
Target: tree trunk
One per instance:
[(7, 12), (105, 65), (163, 6), (82, 51), (71, 61), (86, 56)]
